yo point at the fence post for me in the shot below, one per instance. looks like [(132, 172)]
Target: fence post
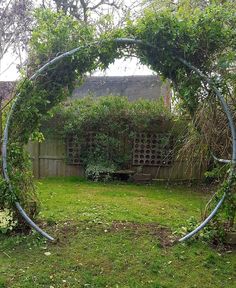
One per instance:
[(37, 160)]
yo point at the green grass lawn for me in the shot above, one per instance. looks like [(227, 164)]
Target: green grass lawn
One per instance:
[(114, 235)]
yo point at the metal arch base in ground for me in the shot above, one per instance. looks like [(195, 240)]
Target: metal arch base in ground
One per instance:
[(31, 223), (124, 41), (204, 223)]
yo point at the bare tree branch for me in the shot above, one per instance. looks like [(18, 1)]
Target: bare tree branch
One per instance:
[(80, 8), (15, 23)]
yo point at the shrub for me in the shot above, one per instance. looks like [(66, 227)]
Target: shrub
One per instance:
[(114, 121)]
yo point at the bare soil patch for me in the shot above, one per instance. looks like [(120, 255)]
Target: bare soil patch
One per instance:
[(163, 234)]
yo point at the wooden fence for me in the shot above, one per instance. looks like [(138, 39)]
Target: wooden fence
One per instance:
[(49, 160)]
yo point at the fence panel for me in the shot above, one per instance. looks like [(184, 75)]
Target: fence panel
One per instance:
[(49, 160)]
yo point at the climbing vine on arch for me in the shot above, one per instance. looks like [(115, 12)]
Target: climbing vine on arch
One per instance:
[(205, 39), (54, 34)]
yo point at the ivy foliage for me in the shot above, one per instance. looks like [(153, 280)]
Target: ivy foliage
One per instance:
[(204, 38), (111, 113)]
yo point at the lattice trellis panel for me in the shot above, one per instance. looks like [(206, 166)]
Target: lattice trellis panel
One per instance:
[(152, 149), (90, 139), (74, 148)]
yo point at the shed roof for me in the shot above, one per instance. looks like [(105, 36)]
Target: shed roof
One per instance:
[(134, 87)]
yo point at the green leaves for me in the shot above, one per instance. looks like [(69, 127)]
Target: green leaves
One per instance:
[(199, 37)]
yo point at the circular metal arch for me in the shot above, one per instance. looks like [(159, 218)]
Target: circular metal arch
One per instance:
[(120, 41)]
